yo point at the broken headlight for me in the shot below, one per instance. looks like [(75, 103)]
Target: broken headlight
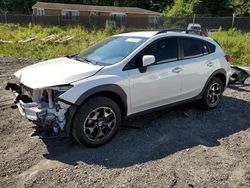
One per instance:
[(58, 90), (62, 88)]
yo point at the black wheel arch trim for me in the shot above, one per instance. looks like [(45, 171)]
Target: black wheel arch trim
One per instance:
[(113, 88), (104, 88), (219, 71)]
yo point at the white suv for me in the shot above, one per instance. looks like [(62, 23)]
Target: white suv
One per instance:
[(88, 94)]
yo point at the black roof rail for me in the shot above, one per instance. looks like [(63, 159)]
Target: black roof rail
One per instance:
[(187, 31)]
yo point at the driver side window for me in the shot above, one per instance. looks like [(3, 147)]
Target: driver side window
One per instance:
[(165, 50)]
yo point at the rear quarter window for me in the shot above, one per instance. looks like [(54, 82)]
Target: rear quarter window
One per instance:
[(211, 47)]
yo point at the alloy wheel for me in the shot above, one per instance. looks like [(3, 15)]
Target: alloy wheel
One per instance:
[(99, 123), (214, 94)]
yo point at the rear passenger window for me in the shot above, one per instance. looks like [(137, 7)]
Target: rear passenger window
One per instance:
[(192, 48)]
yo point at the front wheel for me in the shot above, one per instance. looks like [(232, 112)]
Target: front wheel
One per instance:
[(213, 94), (96, 122)]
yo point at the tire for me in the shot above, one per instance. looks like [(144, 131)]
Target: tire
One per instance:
[(96, 121), (212, 94)]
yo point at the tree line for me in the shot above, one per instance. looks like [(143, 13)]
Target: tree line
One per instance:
[(168, 7)]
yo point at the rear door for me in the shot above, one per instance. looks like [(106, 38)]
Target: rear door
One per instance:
[(197, 66)]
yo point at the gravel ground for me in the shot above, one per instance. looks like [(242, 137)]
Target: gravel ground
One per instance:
[(179, 147)]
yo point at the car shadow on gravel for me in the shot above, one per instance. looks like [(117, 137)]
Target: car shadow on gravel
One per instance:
[(157, 135)]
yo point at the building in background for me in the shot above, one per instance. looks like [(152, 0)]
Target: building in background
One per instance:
[(113, 15)]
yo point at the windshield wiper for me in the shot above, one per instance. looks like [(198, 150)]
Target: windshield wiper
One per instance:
[(83, 59), (71, 55), (91, 61)]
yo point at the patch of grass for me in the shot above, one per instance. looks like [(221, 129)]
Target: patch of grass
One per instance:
[(235, 44), (38, 49)]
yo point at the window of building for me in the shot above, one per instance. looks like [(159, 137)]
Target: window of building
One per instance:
[(153, 20), (94, 13), (40, 12), (118, 17), (75, 13), (70, 14)]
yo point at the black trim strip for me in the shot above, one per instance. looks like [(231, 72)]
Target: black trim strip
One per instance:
[(108, 88), (219, 71), (163, 107), (103, 88)]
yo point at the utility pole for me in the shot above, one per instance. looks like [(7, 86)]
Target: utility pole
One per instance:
[(5, 16), (233, 20)]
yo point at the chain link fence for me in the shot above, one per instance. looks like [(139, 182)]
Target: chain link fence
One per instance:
[(207, 23)]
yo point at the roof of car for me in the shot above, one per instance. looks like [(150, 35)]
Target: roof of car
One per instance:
[(146, 34), (149, 34)]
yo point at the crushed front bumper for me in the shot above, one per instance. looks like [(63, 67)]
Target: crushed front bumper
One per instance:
[(41, 108), (30, 110)]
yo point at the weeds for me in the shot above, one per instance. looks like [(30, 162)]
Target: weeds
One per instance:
[(234, 42), (39, 49)]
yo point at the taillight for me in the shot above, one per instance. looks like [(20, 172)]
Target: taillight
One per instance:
[(228, 58)]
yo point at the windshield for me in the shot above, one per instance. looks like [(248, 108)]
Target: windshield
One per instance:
[(111, 50)]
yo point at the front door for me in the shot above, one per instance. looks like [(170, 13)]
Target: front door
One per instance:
[(161, 83)]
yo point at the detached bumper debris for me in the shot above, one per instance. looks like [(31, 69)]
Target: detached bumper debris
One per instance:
[(239, 74)]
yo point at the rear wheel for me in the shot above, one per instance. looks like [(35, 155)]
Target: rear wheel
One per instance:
[(213, 94), (96, 121)]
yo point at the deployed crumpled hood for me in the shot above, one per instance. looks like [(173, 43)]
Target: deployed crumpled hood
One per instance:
[(54, 72)]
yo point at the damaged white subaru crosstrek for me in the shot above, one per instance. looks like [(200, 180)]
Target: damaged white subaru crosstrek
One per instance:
[(88, 94)]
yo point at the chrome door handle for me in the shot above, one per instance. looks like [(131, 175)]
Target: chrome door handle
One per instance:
[(177, 70), (209, 64)]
